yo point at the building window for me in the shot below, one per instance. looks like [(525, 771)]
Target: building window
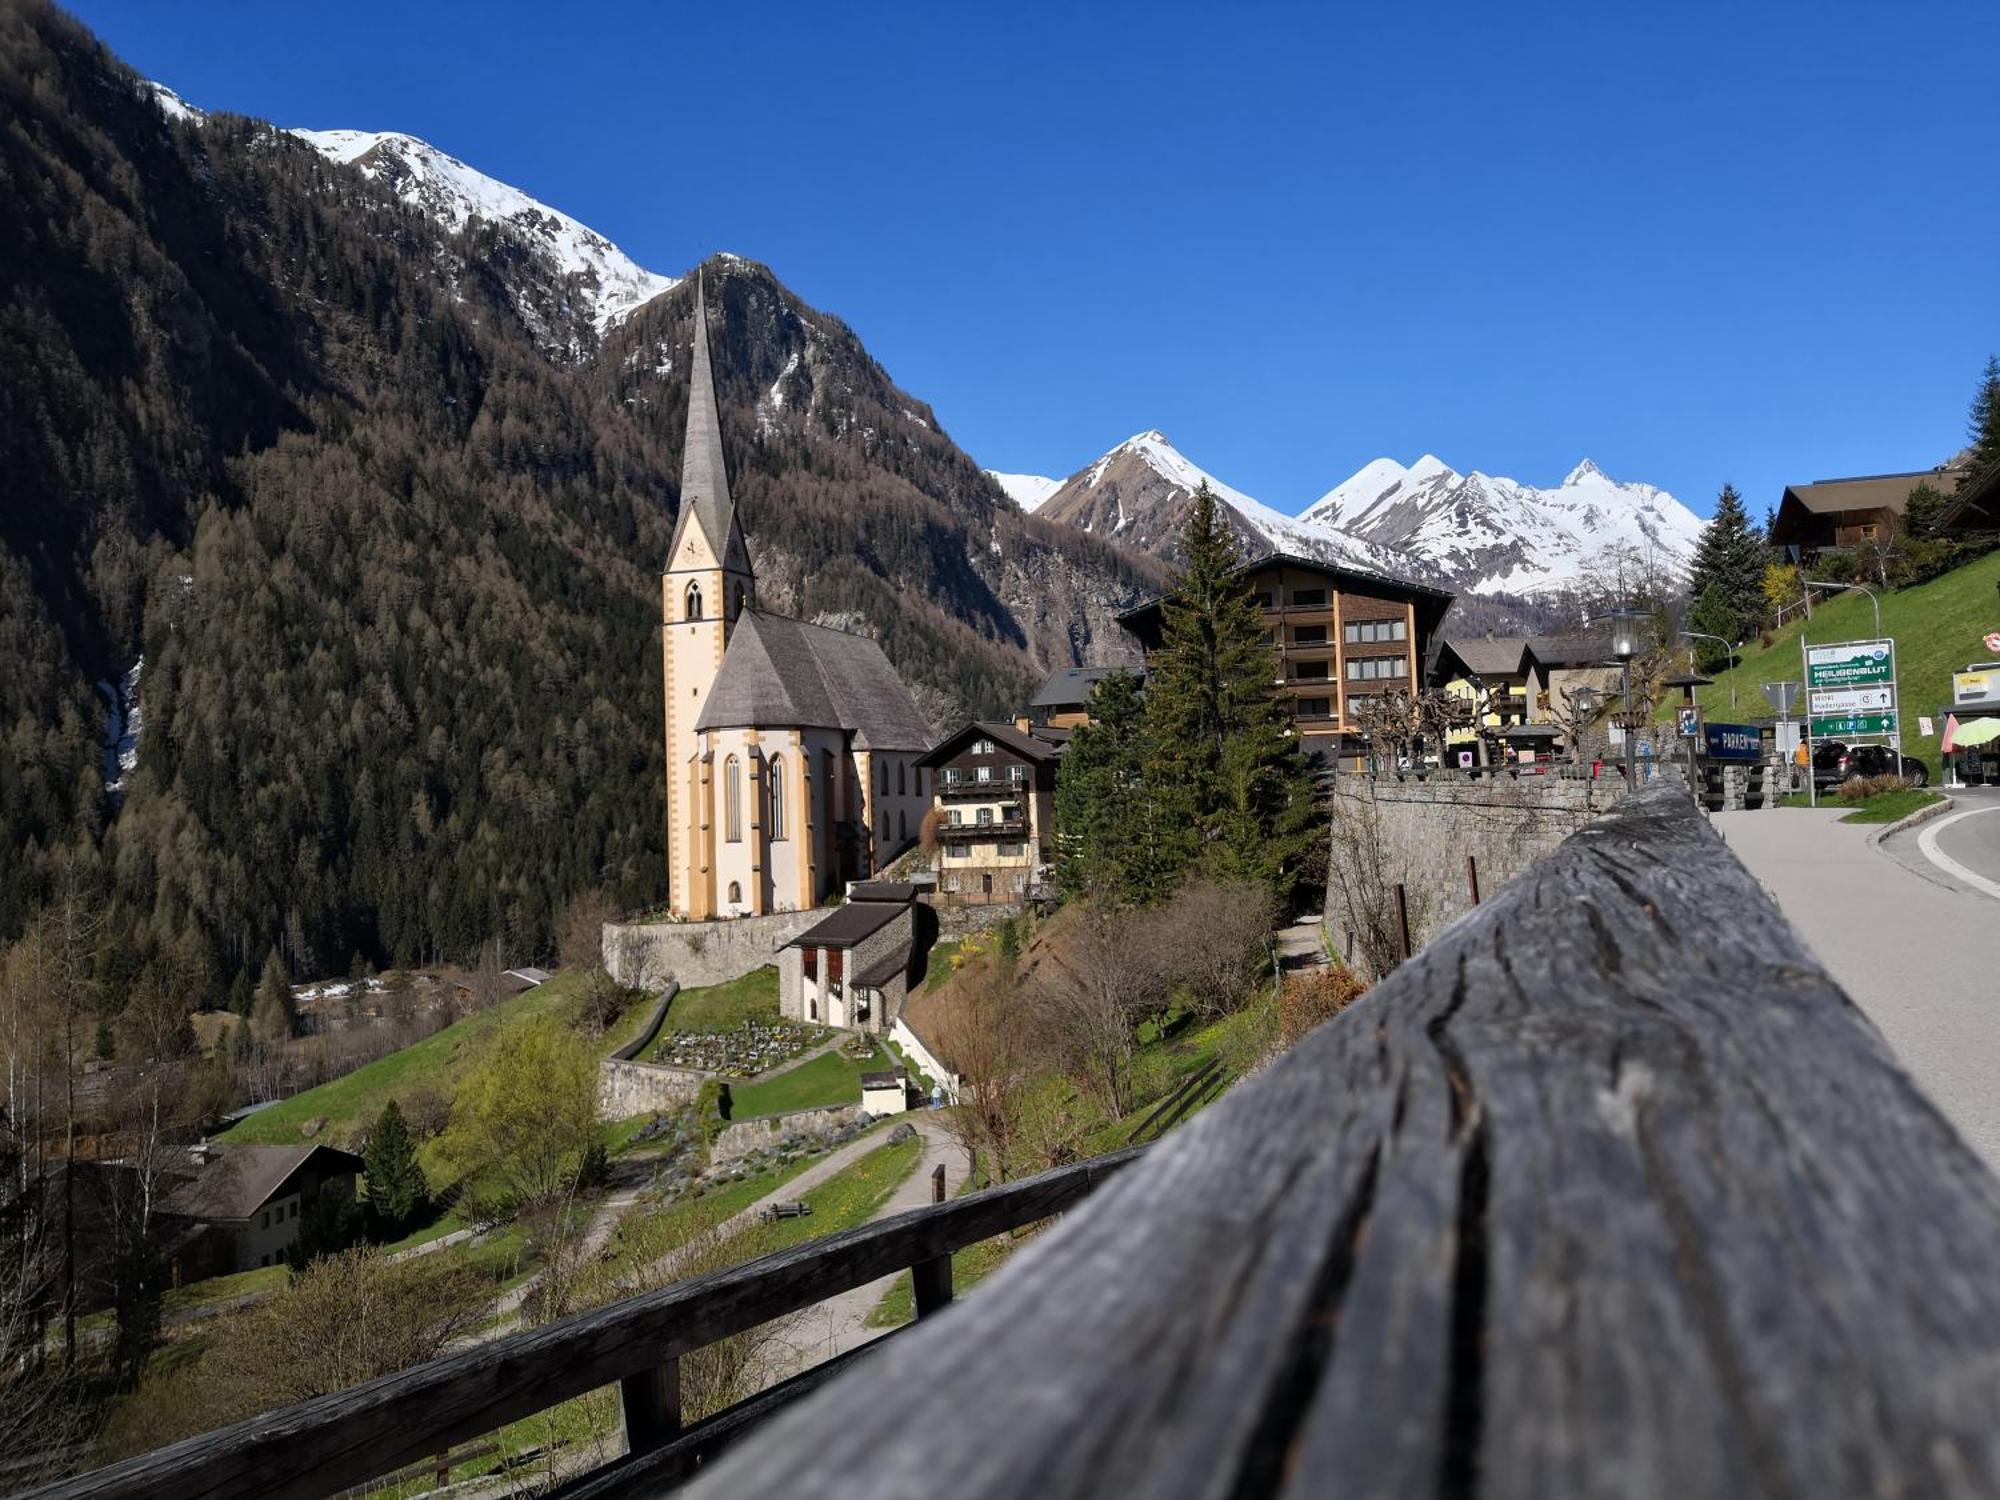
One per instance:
[(735, 893), (882, 778), (265, 1222), (693, 601), (951, 775), (902, 778), (1309, 671), (1012, 851), (951, 883), (954, 815), (1020, 881), (777, 778), (1375, 668), (1315, 708), (732, 800), (1367, 632), (1309, 598), (982, 773), (985, 816), (1262, 599), (982, 747), (1017, 774), (1309, 635)]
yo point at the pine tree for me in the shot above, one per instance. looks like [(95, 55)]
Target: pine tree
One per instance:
[(1730, 558), (1712, 615), (1222, 764), (396, 1188), (273, 1016), (1983, 426), (1922, 510), (1106, 848)]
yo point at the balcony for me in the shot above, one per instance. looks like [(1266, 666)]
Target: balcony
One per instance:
[(1015, 827), (981, 791)]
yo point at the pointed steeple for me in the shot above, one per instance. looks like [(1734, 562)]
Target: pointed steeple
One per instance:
[(704, 475)]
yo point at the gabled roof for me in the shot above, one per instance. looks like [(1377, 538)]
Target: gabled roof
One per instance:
[(1573, 650), (780, 673), (1071, 687), (1027, 746), (704, 475), (849, 925), (1493, 656), (1890, 492), (238, 1180)]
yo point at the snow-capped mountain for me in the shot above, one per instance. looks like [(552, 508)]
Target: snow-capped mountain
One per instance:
[(1026, 490), (604, 279), (1139, 494), (1493, 535)]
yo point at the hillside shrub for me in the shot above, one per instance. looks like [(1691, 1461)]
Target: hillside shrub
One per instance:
[(1861, 788), (1313, 996)]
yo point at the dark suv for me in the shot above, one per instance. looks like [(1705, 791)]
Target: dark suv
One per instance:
[(1834, 762)]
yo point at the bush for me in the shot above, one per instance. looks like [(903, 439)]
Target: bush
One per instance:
[(1861, 788), (1313, 996)]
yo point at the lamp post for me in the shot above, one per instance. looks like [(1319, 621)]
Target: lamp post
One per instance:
[(1624, 625), (1823, 583), (1582, 704), (1703, 635)]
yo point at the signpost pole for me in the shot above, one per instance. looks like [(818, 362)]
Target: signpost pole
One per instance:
[(1812, 778)]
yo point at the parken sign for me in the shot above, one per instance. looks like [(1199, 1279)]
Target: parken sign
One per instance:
[(1852, 665)]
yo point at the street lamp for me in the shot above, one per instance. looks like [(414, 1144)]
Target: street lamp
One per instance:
[(1625, 625), (1582, 704), (1825, 583), (1703, 635)]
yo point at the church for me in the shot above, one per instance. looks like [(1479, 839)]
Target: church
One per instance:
[(792, 749)]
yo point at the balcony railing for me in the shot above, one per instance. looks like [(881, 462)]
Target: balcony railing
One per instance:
[(998, 828), (974, 791)]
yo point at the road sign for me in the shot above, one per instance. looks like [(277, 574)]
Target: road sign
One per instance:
[(1847, 726), (1924, 725), (1784, 696), (1851, 664), (1993, 641), (1837, 703), (1738, 742)]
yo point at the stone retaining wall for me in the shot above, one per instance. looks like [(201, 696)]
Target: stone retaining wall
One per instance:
[(625, 1089), (745, 1136), (646, 955)]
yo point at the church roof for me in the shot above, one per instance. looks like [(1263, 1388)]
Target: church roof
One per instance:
[(704, 475), (786, 674)]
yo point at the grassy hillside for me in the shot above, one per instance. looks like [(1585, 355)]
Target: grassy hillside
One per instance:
[(1937, 628), (350, 1104)]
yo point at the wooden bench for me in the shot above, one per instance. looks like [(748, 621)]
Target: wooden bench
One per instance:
[(1609, 1192)]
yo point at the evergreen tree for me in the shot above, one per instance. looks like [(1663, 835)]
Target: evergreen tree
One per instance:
[(1105, 846), (1223, 767), (396, 1188), (1983, 426), (1922, 510), (273, 1015), (1730, 559), (1712, 615)]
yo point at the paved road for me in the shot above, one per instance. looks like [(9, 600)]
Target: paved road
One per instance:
[(1919, 954), (1961, 847)]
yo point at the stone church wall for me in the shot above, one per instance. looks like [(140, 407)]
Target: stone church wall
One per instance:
[(625, 1089), (645, 955)]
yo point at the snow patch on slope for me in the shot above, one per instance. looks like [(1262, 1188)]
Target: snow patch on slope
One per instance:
[(121, 728), (1026, 490)]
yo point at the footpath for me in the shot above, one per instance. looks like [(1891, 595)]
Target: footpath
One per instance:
[(1918, 955)]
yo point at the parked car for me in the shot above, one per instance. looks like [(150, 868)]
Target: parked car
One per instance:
[(1835, 762)]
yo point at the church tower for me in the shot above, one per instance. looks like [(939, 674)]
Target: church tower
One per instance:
[(707, 584)]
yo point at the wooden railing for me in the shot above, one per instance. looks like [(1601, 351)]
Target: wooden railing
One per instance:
[(335, 1442), (1609, 1192)]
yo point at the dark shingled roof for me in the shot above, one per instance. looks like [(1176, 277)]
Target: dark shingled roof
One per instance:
[(1029, 746), (704, 475), (241, 1179), (1573, 650), (780, 673), (882, 890), (849, 925), (1492, 656), (1071, 687), (880, 973), (884, 1079)]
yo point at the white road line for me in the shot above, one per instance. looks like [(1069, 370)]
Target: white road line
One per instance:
[(1927, 838)]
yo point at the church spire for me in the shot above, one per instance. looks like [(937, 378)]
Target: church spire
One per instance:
[(704, 477)]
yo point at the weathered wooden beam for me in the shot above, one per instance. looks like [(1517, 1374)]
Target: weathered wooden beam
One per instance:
[(333, 1442), (649, 1406), (930, 1280), (1610, 1191)]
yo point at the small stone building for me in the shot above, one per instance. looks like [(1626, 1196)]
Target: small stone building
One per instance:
[(854, 968), (244, 1203)]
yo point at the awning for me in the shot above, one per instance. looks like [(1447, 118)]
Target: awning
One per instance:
[(1958, 736)]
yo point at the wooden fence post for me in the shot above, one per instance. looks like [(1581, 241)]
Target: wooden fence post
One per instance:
[(650, 1403), (930, 1280), (1402, 921)]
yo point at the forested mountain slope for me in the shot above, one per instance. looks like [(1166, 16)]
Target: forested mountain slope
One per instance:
[(393, 568)]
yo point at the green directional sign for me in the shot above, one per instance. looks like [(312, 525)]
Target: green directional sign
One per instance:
[(1852, 664), (1852, 724)]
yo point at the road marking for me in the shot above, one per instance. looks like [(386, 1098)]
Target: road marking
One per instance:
[(1927, 841)]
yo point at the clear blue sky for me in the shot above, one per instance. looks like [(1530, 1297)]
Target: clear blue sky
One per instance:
[(1696, 242)]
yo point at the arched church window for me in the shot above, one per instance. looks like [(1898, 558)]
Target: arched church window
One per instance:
[(902, 778), (732, 800), (777, 776), (693, 601), (735, 893)]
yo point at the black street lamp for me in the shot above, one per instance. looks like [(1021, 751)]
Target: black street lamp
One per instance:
[(1625, 625)]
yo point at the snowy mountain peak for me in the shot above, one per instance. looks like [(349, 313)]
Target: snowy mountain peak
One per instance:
[(1026, 490), (1583, 471), (609, 282)]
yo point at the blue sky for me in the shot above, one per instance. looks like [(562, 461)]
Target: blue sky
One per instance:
[(1755, 243)]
